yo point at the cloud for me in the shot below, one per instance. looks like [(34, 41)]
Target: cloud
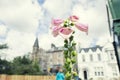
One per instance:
[(3, 30), (19, 43), (92, 13), (52, 9), (59, 8), (20, 15), (21, 19), (95, 17), (25, 18), (46, 40)]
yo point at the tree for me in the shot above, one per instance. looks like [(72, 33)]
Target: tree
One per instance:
[(23, 65), (5, 67), (3, 46)]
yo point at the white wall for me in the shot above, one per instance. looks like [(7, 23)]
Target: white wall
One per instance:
[(104, 65)]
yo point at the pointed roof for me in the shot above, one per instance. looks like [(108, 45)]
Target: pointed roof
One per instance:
[(92, 48), (36, 43)]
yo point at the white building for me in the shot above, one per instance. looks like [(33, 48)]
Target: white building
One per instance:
[(98, 63)]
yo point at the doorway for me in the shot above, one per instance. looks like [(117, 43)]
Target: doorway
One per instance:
[(85, 75)]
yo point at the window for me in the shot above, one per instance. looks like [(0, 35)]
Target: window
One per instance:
[(99, 57), (83, 58), (102, 74), (99, 71), (59, 55), (91, 57), (50, 60), (112, 56), (95, 73), (114, 70)]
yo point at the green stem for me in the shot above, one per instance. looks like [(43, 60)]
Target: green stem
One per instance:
[(69, 57)]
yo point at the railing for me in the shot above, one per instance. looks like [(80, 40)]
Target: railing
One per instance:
[(26, 77)]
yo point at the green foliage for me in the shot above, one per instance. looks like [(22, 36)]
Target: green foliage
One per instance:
[(65, 45), (66, 41), (70, 58), (68, 76), (74, 53), (5, 67), (72, 24), (73, 60), (23, 65), (71, 38), (68, 23), (3, 46), (20, 66)]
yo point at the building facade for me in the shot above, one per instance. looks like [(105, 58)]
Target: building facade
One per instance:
[(94, 63), (39, 55), (47, 59), (98, 63)]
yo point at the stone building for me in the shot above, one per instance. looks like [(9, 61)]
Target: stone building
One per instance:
[(55, 57), (47, 59)]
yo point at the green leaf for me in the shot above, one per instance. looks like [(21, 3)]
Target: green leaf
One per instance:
[(73, 44), (70, 48), (65, 25), (65, 45), (67, 74), (65, 51), (74, 53), (73, 32), (65, 22), (71, 65), (72, 24), (66, 41), (74, 73), (68, 60), (73, 60), (71, 38)]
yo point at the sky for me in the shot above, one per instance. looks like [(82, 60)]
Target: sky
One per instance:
[(22, 21)]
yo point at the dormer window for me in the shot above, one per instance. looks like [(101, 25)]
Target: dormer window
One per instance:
[(91, 57), (99, 57), (83, 58)]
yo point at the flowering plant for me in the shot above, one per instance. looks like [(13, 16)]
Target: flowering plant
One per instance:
[(64, 28)]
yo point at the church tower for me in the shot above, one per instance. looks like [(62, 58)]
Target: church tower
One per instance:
[(35, 52)]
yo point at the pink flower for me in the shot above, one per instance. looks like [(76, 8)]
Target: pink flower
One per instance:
[(55, 31), (65, 32), (57, 22), (82, 27), (74, 18)]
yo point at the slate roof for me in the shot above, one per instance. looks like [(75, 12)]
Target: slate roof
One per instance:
[(91, 48), (36, 43)]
